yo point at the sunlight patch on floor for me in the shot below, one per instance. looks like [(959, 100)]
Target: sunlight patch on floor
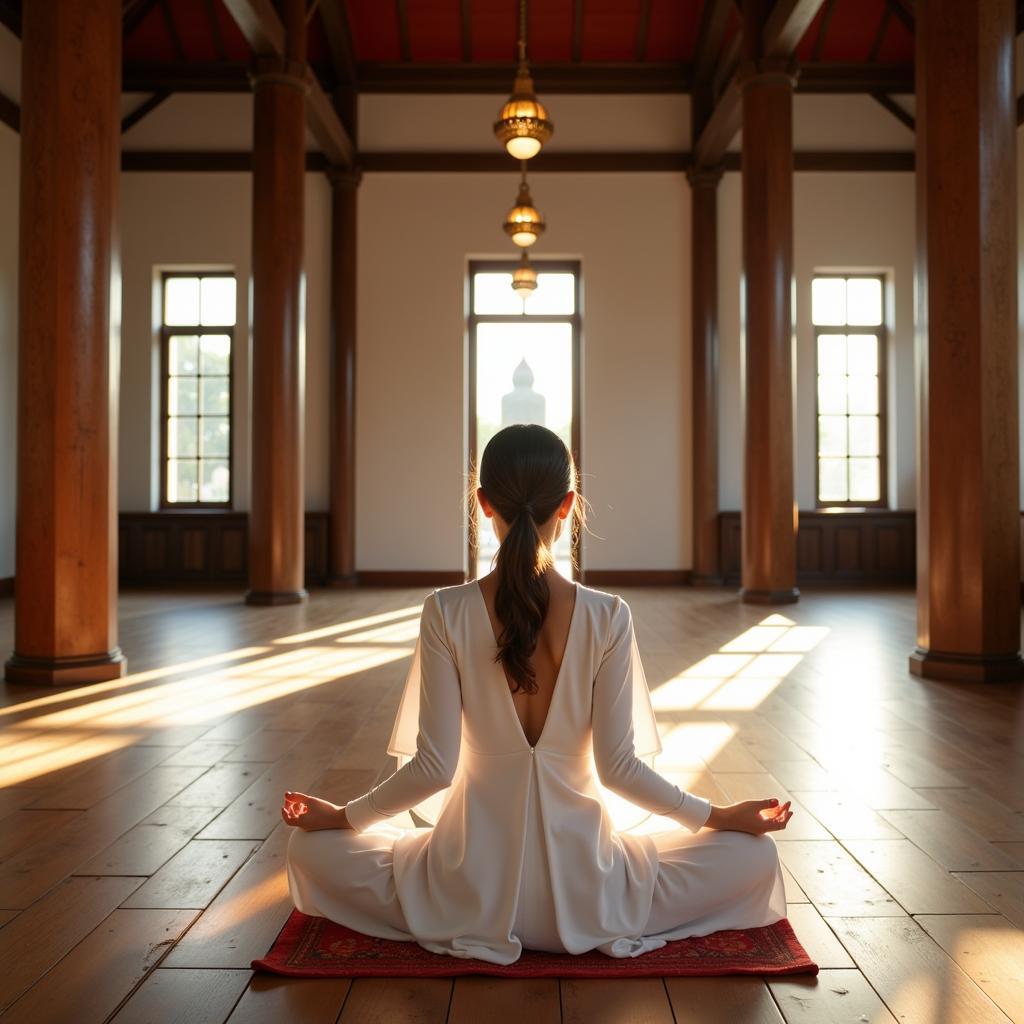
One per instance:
[(743, 672), (110, 716)]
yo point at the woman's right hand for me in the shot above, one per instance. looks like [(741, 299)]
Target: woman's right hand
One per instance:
[(753, 816)]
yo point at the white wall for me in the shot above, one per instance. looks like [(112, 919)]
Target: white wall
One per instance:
[(9, 175), (852, 222), (203, 220), (416, 233)]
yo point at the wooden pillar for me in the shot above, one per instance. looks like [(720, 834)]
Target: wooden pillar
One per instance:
[(68, 347), (276, 517), (968, 546), (769, 508), (704, 320), (342, 546)]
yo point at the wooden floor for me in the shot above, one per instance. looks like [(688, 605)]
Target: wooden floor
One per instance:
[(141, 850)]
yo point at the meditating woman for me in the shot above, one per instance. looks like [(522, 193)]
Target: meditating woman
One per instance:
[(521, 684)]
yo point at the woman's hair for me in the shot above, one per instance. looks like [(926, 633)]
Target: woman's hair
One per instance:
[(525, 471)]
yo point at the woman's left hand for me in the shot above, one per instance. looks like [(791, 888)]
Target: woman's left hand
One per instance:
[(311, 813)]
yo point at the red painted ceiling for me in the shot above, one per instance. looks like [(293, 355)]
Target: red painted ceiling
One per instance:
[(856, 31)]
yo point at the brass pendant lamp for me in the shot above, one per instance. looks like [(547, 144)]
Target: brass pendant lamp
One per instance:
[(523, 125), (523, 223), (524, 278)]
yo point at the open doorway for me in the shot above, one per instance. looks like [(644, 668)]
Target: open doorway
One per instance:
[(524, 367)]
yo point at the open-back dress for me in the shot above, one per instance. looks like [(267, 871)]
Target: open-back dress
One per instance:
[(523, 851)]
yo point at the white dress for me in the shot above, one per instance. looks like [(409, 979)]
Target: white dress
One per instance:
[(523, 852)]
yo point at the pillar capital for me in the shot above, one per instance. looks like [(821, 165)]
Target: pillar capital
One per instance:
[(344, 179), (768, 71), (269, 69), (705, 177)]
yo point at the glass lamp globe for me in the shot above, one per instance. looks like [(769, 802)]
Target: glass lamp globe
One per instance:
[(524, 278), (523, 126), (523, 224)]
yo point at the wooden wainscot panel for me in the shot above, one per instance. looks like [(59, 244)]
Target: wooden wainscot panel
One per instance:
[(867, 546), (202, 547)]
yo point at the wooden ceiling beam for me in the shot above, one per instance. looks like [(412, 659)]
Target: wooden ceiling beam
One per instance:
[(494, 78), (144, 108), (10, 113), (903, 116), (643, 28), (192, 77), (263, 29), (464, 28), (10, 16), (713, 21), (826, 19), (403, 30), (339, 39), (569, 163), (218, 37), (562, 77), (136, 14), (904, 11), (784, 28)]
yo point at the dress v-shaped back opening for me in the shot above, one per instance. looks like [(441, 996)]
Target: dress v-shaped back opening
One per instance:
[(558, 674)]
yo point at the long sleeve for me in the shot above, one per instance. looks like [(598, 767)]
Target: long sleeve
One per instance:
[(618, 767), (440, 731)]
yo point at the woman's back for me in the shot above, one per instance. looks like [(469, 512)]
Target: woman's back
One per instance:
[(546, 661)]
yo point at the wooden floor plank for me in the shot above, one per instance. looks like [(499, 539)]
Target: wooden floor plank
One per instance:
[(722, 1001), (39, 936), (1001, 890), (817, 937), (949, 841), (919, 772), (24, 828), (919, 884), (831, 997), (268, 744), (274, 1000), (96, 976), (37, 868), (241, 923), (917, 981), (219, 785), (105, 777), (397, 1001), (198, 997), (835, 883), (151, 843), (203, 752), (846, 816), (615, 1001), (194, 875), (989, 949), (479, 998), (990, 818)]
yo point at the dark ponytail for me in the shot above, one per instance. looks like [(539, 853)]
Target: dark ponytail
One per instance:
[(526, 471)]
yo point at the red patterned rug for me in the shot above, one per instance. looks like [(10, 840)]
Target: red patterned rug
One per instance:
[(313, 947)]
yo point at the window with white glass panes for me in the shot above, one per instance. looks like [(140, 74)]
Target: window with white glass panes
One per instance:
[(197, 337), (848, 316)]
